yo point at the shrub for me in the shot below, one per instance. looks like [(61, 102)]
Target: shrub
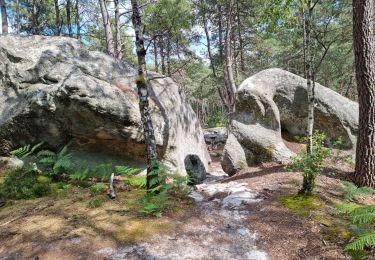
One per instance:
[(24, 183), (56, 163), (166, 188), (98, 188), (95, 202), (217, 120), (311, 165)]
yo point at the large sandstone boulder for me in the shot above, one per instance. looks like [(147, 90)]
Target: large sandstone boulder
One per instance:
[(52, 89), (274, 100)]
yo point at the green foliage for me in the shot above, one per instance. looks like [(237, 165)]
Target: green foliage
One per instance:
[(95, 202), (218, 119), (311, 165), (137, 181), (351, 191), (56, 163), (301, 205), (155, 203), (24, 183), (98, 188), (26, 150), (166, 188), (362, 219)]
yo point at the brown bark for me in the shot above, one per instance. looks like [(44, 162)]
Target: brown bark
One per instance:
[(365, 75), (168, 55), (68, 17), (118, 43), (143, 92), (240, 39), (107, 28), (4, 17)]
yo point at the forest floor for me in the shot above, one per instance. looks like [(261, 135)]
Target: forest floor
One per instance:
[(269, 224)]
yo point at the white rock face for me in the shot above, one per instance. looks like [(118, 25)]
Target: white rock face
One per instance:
[(273, 100), (237, 193), (53, 89)]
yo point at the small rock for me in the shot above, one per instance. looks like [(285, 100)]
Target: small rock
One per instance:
[(10, 163)]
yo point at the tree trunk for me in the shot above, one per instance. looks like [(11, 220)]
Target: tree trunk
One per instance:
[(309, 74), (240, 39), (68, 17), (162, 55), (206, 31), (231, 86), (107, 28), (142, 86), (118, 43), (168, 56), (78, 22), (156, 53), (57, 18), (34, 19), (210, 56), (18, 24), (221, 51), (365, 75), (4, 17)]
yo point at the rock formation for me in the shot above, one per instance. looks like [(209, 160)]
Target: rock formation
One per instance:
[(274, 100), (52, 89)]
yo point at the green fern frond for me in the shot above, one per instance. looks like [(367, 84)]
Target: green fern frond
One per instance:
[(46, 153), (64, 150), (48, 161), (21, 151), (364, 215), (137, 181), (351, 191), (125, 170), (362, 241), (346, 208)]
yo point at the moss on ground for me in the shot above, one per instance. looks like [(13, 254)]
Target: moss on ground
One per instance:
[(301, 205), (310, 206)]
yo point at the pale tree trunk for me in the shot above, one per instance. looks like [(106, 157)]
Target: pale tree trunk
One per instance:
[(4, 17), (143, 93), (228, 66), (308, 180), (78, 22), (57, 18), (118, 43), (162, 55), (107, 28), (68, 17), (309, 77), (365, 75)]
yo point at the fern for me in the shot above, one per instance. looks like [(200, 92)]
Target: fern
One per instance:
[(351, 191), (26, 150), (362, 241), (58, 162), (125, 170), (364, 215)]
